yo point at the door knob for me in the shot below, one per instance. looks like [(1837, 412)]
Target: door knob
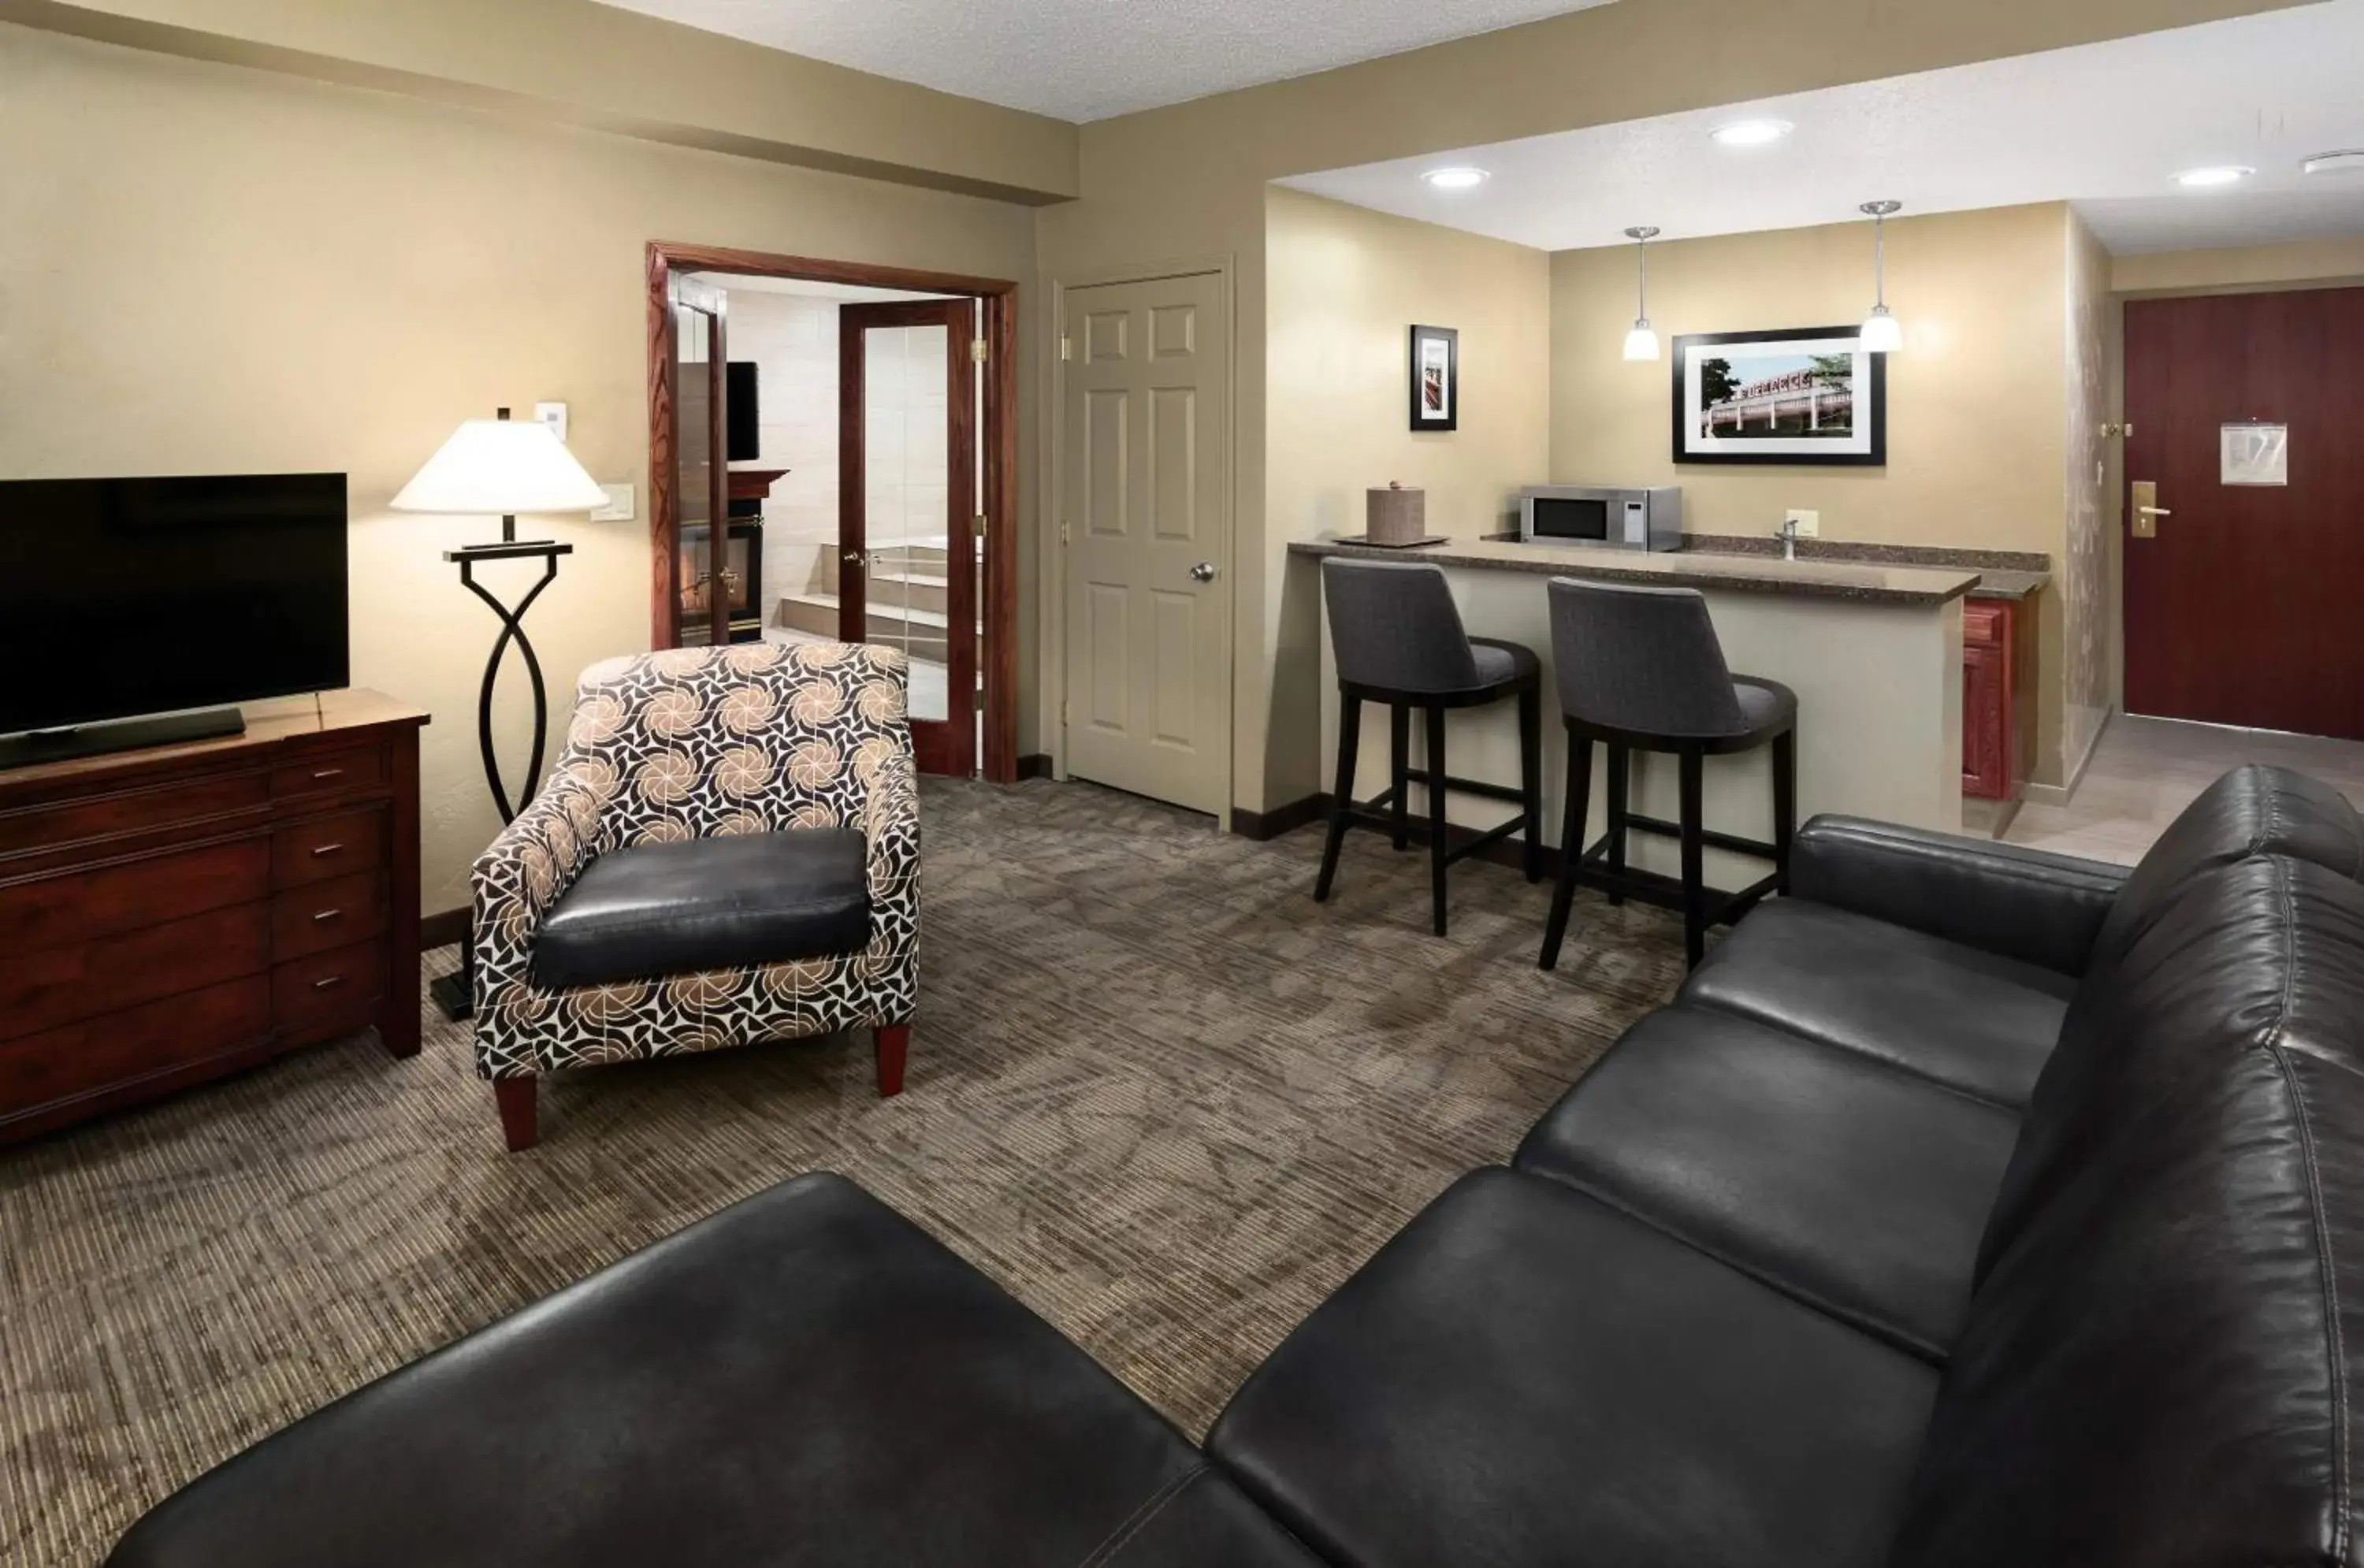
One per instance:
[(1203, 572), (853, 557)]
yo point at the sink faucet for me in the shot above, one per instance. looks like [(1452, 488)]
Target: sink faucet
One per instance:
[(1788, 534)]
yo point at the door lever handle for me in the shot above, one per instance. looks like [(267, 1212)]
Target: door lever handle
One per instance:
[(2155, 511)]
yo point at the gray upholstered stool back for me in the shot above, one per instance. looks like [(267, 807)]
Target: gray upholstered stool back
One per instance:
[(1642, 660), (1393, 624)]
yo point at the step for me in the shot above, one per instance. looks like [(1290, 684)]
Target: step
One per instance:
[(923, 633)]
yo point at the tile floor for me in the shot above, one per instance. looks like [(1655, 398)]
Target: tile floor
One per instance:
[(2148, 770)]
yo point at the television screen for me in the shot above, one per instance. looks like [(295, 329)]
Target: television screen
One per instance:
[(126, 596), (743, 442)]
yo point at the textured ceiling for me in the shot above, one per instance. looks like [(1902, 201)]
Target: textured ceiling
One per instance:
[(2106, 126), (1087, 60)]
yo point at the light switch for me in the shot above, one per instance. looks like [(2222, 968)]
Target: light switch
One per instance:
[(1809, 524), (553, 415), (619, 508)]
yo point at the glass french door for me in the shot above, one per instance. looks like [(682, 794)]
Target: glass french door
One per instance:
[(907, 489), (706, 579)]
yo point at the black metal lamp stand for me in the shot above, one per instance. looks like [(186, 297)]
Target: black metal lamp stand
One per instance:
[(456, 993)]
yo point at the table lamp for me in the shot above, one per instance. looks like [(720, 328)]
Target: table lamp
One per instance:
[(500, 467)]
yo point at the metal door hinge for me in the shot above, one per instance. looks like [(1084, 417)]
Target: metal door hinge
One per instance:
[(1066, 713), (1063, 533), (980, 525), (1066, 347), (976, 351)]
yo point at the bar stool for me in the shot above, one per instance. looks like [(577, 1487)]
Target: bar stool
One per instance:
[(1397, 638), (1642, 669)]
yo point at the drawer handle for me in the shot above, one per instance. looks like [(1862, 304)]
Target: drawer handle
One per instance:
[(326, 915), (325, 984), (321, 775), (325, 849)]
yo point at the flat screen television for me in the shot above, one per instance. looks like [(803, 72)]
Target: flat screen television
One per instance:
[(124, 597), (743, 442)]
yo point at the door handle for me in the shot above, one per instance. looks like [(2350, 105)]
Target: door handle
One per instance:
[(1203, 572), (2146, 509), (853, 557)]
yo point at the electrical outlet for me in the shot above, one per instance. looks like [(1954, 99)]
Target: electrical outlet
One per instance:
[(1809, 524), (553, 415), (619, 508)]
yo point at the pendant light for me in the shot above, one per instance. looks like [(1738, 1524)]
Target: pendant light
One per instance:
[(1881, 332), (1641, 342)]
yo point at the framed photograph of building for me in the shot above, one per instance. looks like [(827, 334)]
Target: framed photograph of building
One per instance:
[(1435, 378), (1808, 394)]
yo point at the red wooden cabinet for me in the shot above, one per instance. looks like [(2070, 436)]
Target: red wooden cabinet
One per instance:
[(1993, 746)]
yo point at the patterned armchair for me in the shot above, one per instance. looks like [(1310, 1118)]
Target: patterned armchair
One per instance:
[(703, 743)]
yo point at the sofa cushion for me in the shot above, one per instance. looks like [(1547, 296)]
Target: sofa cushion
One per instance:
[(1972, 1021), (805, 1379), (726, 903), (2253, 811), (2161, 1359), (1525, 1375), (1859, 1189)]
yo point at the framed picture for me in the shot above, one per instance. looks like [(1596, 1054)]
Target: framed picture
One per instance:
[(1435, 378), (1808, 395)]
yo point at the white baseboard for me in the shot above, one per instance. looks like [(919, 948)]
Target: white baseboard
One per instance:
[(2061, 795)]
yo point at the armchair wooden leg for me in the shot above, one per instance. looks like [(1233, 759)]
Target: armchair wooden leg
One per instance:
[(894, 1044), (516, 1098)]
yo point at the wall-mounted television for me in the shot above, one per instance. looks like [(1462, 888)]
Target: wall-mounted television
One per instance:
[(743, 442), (127, 597)]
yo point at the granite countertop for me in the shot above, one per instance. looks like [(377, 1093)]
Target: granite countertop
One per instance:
[(2001, 582), (2002, 573), (1864, 581)]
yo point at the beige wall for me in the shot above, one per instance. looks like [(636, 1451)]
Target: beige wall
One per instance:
[(600, 67), (2084, 580), (1344, 287), (1977, 401), (205, 268), (2300, 264)]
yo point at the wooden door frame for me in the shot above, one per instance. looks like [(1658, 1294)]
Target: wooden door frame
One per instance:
[(855, 320), (1052, 612), (998, 419)]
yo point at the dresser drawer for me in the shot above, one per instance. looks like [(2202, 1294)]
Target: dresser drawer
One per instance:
[(328, 847), (325, 914), (339, 982), (57, 911), (132, 811), (65, 985), (139, 1042), (328, 773)]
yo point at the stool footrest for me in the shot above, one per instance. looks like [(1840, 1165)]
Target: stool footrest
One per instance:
[(1708, 835)]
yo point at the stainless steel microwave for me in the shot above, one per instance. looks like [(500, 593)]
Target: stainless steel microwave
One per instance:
[(1583, 514)]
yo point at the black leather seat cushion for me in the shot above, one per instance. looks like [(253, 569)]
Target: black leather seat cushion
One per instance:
[(660, 909), (1525, 1375), (1973, 1021), (1854, 1186), (805, 1379)]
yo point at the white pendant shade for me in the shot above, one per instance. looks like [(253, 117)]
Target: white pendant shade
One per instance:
[(500, 468), (1642, 343), (1882, 333)]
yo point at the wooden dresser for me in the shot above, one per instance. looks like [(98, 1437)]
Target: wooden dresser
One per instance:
[(171, 915)]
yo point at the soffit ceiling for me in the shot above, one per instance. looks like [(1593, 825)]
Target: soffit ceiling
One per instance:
[(2105, 126), (1088, 60)]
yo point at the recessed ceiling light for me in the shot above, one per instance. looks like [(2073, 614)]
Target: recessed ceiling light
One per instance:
[(2347, 160), (2218, 174), (1752, 133), (1461, 179)]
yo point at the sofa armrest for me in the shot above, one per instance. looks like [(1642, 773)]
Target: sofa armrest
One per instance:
[(517, 881), (890, 825), (2000, 898)]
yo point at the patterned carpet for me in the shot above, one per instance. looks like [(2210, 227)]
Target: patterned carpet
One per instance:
[(1155, 1091)]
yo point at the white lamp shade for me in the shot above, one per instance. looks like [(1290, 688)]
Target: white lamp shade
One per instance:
[(500, 468), (1882, 333), (1642, 343)]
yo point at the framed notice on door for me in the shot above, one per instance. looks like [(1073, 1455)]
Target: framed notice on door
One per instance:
[(2253, 454)]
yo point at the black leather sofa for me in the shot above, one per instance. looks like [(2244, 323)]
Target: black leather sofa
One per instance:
[(1968, 1207)]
